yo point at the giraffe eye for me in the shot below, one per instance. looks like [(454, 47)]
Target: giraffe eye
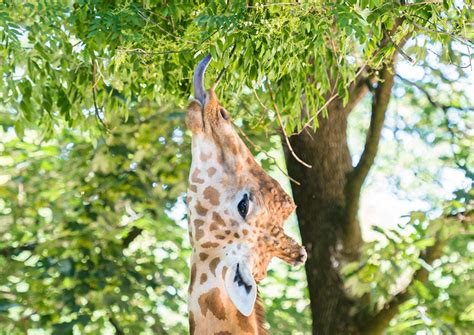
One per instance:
[(243, 206)]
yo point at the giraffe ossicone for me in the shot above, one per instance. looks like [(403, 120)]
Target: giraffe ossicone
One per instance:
[(236, 213)]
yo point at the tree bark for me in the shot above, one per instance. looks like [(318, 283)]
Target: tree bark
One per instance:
[(327, 202), (328, 199), (321, 204)]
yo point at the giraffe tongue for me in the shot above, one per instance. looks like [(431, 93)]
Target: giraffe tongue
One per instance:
[(241, 288)]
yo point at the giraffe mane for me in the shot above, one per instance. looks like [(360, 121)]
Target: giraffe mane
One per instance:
[(260, 315)]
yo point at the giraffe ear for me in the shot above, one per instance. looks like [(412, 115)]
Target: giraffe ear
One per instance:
[(241, 288)]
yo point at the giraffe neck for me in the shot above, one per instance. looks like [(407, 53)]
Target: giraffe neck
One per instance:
[(214, 233), (210, 309)]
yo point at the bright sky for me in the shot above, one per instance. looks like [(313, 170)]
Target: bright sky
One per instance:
[(380, 206)]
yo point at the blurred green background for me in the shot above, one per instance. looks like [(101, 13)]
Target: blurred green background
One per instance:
[(94, 155)]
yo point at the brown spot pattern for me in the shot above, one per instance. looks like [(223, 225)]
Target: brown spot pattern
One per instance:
[(203, 256), (211, 194), (233, 147), (193, 188), (195, 177), (205, 157), (213, 265), (203, 278), (200, 209), (211, 171), (223, 333), (218, 219), (210, 245), (211, 301), (193, 278), (198, 229)]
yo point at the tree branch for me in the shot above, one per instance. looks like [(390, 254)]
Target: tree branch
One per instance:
[(94, 96), (315, 115), (365, 79), (365, 76), (258, 149), (9, 251), (355, 180), (118, 329), (280, 121), (445, 108), (437, 30), (379, 322), (358, 90), (131, 236), (430, 98)]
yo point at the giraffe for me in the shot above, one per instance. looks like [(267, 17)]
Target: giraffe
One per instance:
[(236, 213)]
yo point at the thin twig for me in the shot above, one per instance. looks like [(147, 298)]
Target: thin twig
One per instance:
[(96, 79), (146, 18), (429, 2), (164, 52), (94, 96), (441, 31), (216, 82), (445, 108), (114, 323), (280, 121), (255, 146), (450, 62), (430, 98), (376, 323), (316, 114), (400, 50), (258, 148), (260, 5)]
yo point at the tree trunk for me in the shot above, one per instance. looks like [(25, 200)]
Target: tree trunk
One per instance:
[(327, 202), (321, 204)]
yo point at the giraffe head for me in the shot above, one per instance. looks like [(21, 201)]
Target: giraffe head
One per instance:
[(236, 210)]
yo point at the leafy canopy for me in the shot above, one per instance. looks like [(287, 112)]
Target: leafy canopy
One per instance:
[(56, 54)]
